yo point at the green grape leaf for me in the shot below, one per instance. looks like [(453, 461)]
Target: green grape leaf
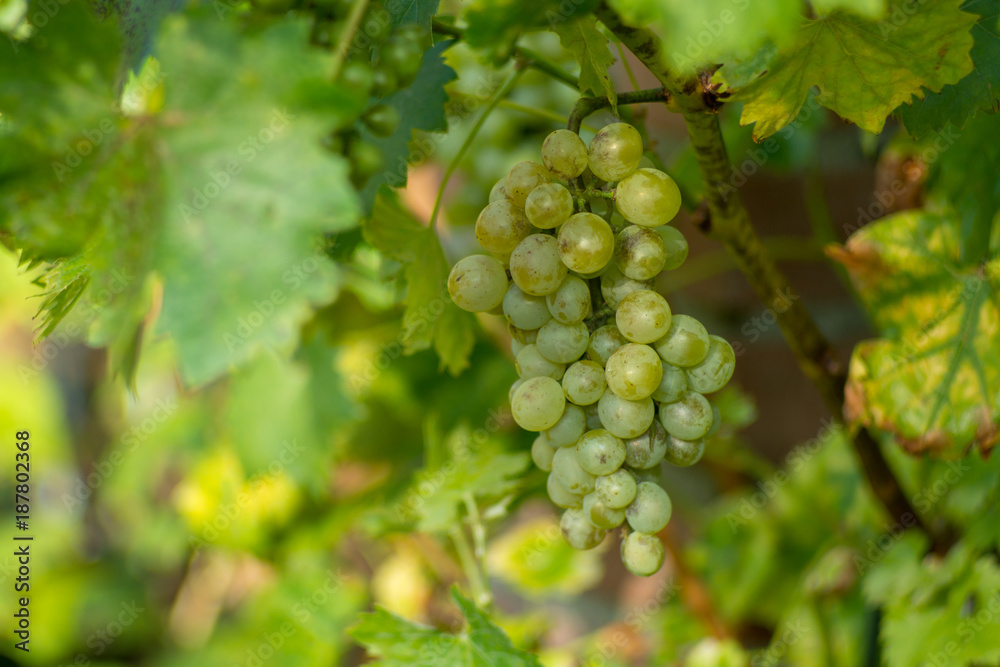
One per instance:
[(494, 25), (397, 642), (864, 69), (431, 318), (870, 8), (421, 106), (933, 380), (246, 178), (412, 11), (976, 92), (582, 38), (696, 34)]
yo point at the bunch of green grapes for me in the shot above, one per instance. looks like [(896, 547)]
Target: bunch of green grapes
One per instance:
[(613, 382)]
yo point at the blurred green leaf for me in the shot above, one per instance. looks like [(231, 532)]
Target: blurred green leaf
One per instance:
[(864, 68), (933, 381), (397, 642), (590, 48)]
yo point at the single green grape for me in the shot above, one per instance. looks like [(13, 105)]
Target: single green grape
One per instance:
[(515, 347), (642, 554), (523, 336), (513, 388), (497, 193), (615, 152), (634, 371), (690, 418), (578, 531), (563, 343), (548, 205), (648, 197), (584, 383), (564, 154), (522, 178), (686, 342), (640, 253), (569, 473), (716, 421), (673, 384), (652, 475), (530, 364), (535, 265), (675, 244), (603, 342), (617, 489), (625, 418), (643, 316), (538, 404), (600, 514), (650, 511), (586, 243), (568, 429), (714, 371), (571, 302), (615, 286), (382, 119), (684, 453), (600, 452), (525, 311), (500, 227), (558, 494), (542, 453), (647, 450), (477, 283), (358, 77)]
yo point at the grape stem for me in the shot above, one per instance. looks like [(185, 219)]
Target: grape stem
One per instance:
[(698, 100), (588, 105), (530, 58)]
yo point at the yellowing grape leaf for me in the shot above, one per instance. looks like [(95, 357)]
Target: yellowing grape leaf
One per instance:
[(582, 38), (431, 318), (397, 642), (864, 69), (933, 379)]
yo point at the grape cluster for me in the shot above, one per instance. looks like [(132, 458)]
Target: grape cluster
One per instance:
[(610, 378)]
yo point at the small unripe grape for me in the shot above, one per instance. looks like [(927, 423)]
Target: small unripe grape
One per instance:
[(600, 452), (542, 453), (538, 404), (382, 119), (548, 205), (640, 252), (673, 384), (650, 511), (676, 246), (647, 450), (643, 316), (617, 489), (615, 286), (513, 388), (689, 418), (530, 363), (684, 453), (564, 154), (571, 302), (642, 554), (516, 346), (586, 243), (604, 342), (563, 343), (558, 494), (625, 418), (584, 382), (634, 371), (600, 514), (615, 152), (578, 531), (569, 473), (569, 428), (648, 197), (358, 77), (535, 265), (525, 311), (522, 178), (686, 342), (714, 371), (477, 283), (497, 193), (500, 227)]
